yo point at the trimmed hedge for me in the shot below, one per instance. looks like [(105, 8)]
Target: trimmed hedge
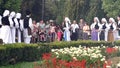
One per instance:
[(12, 53), (88, 43)]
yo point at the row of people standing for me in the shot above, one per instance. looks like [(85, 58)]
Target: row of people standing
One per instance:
[(106, 30), (75, 31), (14, 29), (98, 31)]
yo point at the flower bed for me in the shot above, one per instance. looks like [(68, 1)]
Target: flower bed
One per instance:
[(80, 57)]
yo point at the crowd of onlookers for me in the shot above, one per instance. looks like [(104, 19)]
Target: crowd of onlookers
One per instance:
[(49, 31)]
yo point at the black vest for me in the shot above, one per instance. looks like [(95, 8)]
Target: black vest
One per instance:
[(26, 22), (111, 27), (13, 22), (96, 26), (18, 22), (104, 26), (5, 21)]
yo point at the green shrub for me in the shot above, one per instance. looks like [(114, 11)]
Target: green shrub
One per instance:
[(12, 53), (89, 43), (117, 43), (31, 52)]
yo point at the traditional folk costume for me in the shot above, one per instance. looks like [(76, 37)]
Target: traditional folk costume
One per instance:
[(104, 30), (5, 30), (118, 27), (19, 27), (67, 29), (27, 28), (12, 26), (74, 28), (112, 28), (95, 27)]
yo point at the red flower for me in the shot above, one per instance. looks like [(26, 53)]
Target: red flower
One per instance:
[(107, 63), (46, 56), (54, 62), (110, 50)]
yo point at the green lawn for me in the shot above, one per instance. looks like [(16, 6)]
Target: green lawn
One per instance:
[(20, 65)]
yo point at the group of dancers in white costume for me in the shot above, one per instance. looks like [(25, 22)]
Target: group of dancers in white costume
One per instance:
[(13, 28), (105, 30), (99, 30)]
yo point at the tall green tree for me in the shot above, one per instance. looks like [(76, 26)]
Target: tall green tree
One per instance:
[(12, 5), (111, 7)]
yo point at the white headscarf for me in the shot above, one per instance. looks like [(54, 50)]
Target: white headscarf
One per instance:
[(97, 19), (18, 15), (12, 14), (67, 20), (113, 20), (6, 13), (104, 19)]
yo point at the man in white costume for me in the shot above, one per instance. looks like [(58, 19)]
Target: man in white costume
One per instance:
[(66, 28), (12, 25), (18, 26), (5, 30), (27, 24)]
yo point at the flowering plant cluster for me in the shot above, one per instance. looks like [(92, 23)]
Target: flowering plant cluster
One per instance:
[(90, 54), (79, 57)]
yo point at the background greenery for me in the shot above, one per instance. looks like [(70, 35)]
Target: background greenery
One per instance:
[(58, 9)]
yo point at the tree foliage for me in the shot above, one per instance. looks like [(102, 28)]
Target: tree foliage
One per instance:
[(12, 5), (111, 7), (58, 9)]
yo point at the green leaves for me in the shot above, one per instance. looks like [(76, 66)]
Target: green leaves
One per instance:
[(111, 7)]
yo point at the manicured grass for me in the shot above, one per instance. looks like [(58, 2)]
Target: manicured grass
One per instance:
[(20, 65)]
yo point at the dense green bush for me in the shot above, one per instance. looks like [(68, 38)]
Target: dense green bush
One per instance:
[(12, 53), (31, 52), (88, 43)]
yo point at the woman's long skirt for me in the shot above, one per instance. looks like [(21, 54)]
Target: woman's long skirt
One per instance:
[(94, 35), (5, 34), (110, 36)]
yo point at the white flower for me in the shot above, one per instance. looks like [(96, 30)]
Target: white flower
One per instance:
[(103, 59)]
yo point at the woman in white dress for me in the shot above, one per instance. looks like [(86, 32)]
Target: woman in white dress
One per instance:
[(5, 30), (104, 30), (67, 29), (95, 29), (12, 25), (112, 30)]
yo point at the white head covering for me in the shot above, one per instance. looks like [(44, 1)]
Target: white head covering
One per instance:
[(67, 20), (104, 19), (97, 19), (18, 15), (12, 14), (6, 13), (111, 19)]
